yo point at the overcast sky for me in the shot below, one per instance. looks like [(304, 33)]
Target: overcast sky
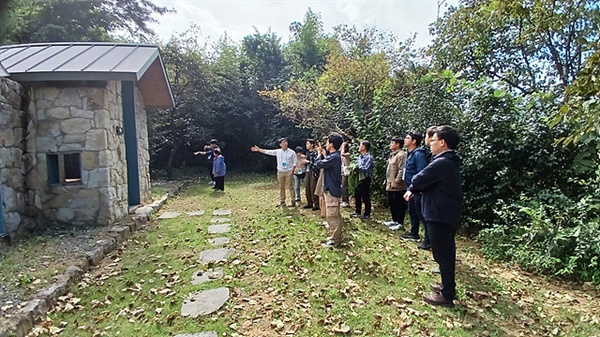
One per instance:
[(238, 17)]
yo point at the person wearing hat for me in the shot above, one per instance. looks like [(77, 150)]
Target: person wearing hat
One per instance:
[(209, 153)]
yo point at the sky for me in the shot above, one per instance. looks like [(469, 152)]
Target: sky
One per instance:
[(238, 18)]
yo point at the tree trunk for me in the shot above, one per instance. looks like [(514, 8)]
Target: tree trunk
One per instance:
[(174, 150)]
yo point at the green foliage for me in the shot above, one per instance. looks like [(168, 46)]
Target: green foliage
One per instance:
[(528, 45), (582, 108), (76, 20), (547, 232), (504, 151)]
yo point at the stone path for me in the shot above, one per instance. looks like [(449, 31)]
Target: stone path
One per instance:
[(222, 212), (196, 213), (218, 241), (219, 229), (208, 301), (216, 255), (169, 215), (209, 275), (220, 220), (200, 334)]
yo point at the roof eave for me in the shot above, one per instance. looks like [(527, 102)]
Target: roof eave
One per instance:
[(3, 72), (155, 87), (72, 76)]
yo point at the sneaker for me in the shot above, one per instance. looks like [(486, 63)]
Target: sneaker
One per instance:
[(325, 224), (354, 215), (438, 299), (390, 223), (365, 217), (435, 287), (344, 204), (211, 182), (409, 237), (424, 246), (308, 206), (395, 227), (329, 244), (298, 200), (435, 270)]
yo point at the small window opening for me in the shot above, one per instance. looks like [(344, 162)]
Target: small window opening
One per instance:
[(64, 168)]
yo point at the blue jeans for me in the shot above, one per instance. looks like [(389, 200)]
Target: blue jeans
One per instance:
[(297, 182)]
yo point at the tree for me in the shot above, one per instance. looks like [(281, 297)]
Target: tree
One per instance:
[(527, 45), (77, 20), (307, 51), (192, 85)]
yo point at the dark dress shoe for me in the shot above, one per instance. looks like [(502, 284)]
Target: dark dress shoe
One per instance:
[(438, 299), (308, 206), (436, 288)]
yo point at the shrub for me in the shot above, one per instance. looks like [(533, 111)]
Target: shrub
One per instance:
[(548, 233)]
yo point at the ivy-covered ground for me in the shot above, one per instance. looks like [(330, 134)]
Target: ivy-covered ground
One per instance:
[(283, 282)]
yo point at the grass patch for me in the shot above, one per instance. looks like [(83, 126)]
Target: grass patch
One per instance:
[(283, 283)]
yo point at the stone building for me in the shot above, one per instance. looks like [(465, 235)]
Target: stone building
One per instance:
[(73, 131)]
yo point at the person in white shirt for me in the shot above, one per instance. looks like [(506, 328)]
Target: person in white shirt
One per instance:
[(286, 165)]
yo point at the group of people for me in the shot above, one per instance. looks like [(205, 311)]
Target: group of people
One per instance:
[(427, 182), (215, 162)]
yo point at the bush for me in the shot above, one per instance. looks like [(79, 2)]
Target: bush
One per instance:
[(548, 233)]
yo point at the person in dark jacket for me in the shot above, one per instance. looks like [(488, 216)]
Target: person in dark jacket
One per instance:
[(332, 187), (442, 205), (416, 160)]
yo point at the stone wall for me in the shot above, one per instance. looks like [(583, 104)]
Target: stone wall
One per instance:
[(45, 121), (80, 120), (141, 121), (18, 211)]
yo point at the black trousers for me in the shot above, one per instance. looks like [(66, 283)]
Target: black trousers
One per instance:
[(220, 183), (362, 194), (210, 170), (443, 247), (414, 209), (397, 205)]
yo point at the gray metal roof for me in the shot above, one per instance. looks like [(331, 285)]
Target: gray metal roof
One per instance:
[(93, 61)]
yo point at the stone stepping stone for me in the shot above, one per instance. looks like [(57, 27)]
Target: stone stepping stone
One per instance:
[(209, 275), (218, 241), (169, 215), (222, 212), (204, 302), (219, 229), (215, 255), (199, 334), (196, 213), (219, 220)]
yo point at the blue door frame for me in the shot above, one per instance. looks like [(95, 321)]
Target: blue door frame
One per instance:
[(131, 146)]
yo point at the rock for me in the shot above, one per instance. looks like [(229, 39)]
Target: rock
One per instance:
[(222, 212), (219, 220), (199, 334), (219, 229), (169, 215), (196, 213), (205, 302), (219, 241), (211, 274), (216, 255)]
